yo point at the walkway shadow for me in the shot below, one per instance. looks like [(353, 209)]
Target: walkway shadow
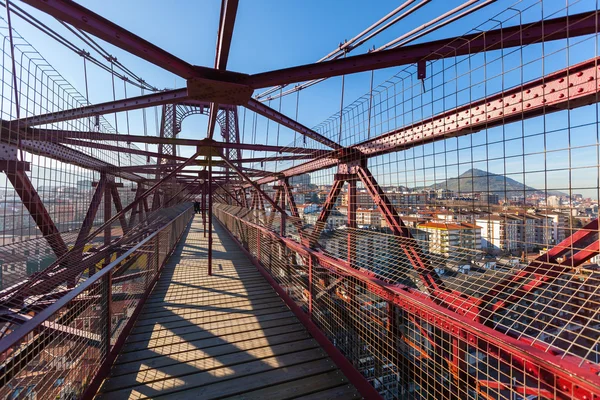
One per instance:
[(211, 337)]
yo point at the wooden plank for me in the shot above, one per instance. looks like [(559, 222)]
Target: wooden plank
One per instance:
[(202, 334), (221, 283), (244, 384), (206, 293), (187, 310), (298, 387), (200, 296), (216, 336), (190, 328), (234, 276), (231, 377), (206, 364), (208, 300), (208, 342), (214, 351), (209, 317), (246, 308)]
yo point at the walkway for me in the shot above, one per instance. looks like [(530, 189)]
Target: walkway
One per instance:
[(224, 336)]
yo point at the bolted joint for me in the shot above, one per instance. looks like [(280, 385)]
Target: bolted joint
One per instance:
[(348, 155)]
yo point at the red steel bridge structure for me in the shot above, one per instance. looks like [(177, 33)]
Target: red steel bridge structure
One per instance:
[(389, 310)]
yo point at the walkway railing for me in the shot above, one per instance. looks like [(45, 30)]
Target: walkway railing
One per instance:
[(65, 349), (405, 342)]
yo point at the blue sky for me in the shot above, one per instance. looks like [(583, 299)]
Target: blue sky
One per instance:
[(277, 34)]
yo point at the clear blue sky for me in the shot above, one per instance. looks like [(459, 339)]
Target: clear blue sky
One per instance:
[(268, 35)]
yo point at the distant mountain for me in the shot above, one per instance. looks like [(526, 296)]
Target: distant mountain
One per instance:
[(476, 180)]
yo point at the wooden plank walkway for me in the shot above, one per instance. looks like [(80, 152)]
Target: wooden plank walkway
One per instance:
[(224, 336)]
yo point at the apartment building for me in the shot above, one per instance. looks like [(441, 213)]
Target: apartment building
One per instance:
[(451, 239)]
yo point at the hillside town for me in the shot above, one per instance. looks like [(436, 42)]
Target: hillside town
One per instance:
[(462, 229)]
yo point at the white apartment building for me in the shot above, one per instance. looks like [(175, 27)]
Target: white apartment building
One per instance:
[(335, 220), (368, 217), (451, 239)]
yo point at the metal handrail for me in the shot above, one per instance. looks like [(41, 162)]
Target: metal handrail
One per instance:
[(23, 330)]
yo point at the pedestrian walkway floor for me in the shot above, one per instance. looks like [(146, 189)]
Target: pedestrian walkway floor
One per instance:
[(228, 335)]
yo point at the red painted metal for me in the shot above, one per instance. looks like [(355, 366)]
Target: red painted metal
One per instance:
[(572, 87), (359, 381), (107, 214), (245, 177), (325, 212), (290, 198), (210, 216), (277, 200), (266, 111), (231, 196), (119, 207), (544, 269), (504, 38), (227, 22), (71, 156), (132, 103), (62, 136), (138, 209), (351, 221), (88, 221), (31, 200), (566, 376), (82, 18)]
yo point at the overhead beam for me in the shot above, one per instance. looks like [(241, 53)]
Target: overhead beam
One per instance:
[(572, 87), (133, 103), (266, 111), (503, 38), (120, 149), (63, 136), (59, 152), (90, 22), (227, 22)]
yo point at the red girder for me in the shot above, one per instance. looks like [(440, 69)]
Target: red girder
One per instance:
[(569, 88), (227, 22), (82, 18), (230, 194), (293, 209), (274, 205), (119, 207), (138, 209), (71, 156), (265, 111), (88, 221), (63, 136), (332, 197), (567, 376), (290, 198), (31, 200), (503, 38), (543, 270), (133, 103), (382, 202), (276, 200)]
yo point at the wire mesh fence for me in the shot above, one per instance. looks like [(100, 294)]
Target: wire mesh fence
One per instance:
[(58, 352)]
